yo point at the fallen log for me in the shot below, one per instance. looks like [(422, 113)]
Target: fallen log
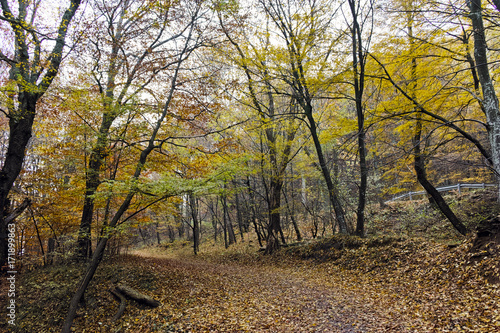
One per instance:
[(123, 303), (139, 297)]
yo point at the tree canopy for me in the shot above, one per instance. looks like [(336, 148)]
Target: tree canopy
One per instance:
[(282, 119)]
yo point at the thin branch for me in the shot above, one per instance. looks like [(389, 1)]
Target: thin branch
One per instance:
[(445, 121)]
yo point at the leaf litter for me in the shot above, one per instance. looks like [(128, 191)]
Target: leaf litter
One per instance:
[(338, 284)]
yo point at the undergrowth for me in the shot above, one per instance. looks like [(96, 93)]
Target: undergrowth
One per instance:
[(421, 276)]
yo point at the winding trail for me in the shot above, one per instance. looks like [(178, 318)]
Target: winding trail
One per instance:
[(234, 297)]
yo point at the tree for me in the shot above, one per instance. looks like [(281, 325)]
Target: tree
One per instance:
[(359, 58), (30, 75), (419, 162), (276, 123), (429, 110), (122, 70), (190, 27), (489, 98), (301, 29)]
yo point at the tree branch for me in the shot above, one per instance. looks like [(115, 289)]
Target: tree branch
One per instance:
[(18, 211), (445, 121)]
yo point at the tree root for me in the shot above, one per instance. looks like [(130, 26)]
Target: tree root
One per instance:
[(122, 292), (123, 303)]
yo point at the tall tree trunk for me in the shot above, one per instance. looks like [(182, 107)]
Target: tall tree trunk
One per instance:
[(429, 188), (96, 160), (253, 212), (19, 136), (158, 239), (358, 65), (490, 100), (274, 227), (419, 159), (229, 238), (100, 148), (214, 207), (214, 223), (193, 203), (111, 105), (332, 192), (239, 216), (89, 274), (229, 225), (144, 240)]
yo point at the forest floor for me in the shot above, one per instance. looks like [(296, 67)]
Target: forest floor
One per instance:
[(397, 283), (339, 284)]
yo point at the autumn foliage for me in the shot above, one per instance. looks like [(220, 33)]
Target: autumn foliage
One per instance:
[(276, 134)]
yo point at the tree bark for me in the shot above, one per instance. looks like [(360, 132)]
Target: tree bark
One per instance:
[(97, 156), (332, 193), (193, 204), (291, 212), (19, 136), (158, 239), (239, 216), (18, 211), (27, 72), (274, 227), (252, 204), (490, 99), (430, 189), (137, 296), (229, 224), (123, 303), (419, 165), (358, 65)]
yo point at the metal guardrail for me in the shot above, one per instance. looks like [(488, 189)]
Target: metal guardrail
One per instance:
[(457, 187)]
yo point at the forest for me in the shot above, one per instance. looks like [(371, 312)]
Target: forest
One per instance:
[(283, 133)]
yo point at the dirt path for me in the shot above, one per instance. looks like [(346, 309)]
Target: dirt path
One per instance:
[(407, 286), (237, 298)]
